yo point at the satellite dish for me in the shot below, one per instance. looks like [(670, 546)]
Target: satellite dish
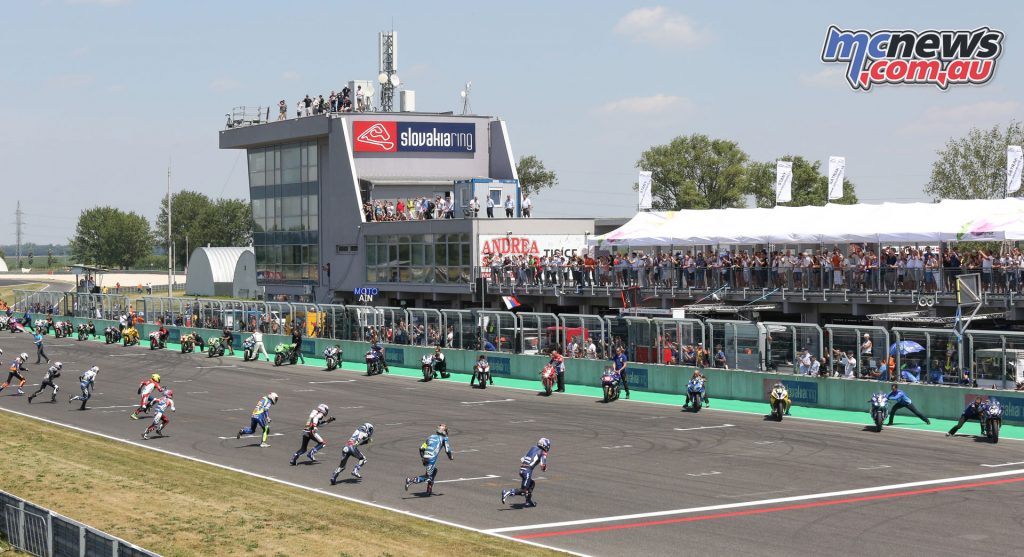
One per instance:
[(462, 94), (395, 82), (368, 91), (382, 78)]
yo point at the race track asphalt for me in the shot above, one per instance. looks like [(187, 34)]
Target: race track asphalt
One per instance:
[(607, 460)]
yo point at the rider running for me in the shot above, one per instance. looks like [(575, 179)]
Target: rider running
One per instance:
[(973, 411), (86, 381), (260, 417), (17, 366), (536, 455), (146, 388), (482, 366), (430, 450), (160, 419), (310, 432), (51, 374), (363, 435)]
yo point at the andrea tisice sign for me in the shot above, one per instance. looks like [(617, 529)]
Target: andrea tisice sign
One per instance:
[(378, 136)]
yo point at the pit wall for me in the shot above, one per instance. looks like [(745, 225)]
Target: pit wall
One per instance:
[(822, 392)]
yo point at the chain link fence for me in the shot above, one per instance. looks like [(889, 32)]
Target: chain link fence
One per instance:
[(44, 533)]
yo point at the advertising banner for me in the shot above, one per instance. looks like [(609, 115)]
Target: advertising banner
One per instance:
[(373, 136), (836, 175), (644, 189), (1014, 164), (783, 182)]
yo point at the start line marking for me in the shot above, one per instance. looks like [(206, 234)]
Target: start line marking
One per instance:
[(702, 427), (487, 401), (335, 381), (252, 436), (620, 447), (1003, 464), (487, 477)]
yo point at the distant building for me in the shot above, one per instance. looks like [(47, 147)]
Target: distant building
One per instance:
[(222, 272)]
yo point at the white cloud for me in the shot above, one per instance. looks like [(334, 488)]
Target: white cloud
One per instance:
[(654, 104), (661, 26), (224, 84), (826, 77), (953, 119), (291, 75)]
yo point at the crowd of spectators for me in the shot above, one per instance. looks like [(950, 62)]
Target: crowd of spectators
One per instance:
[(336, 101), (857, 269), (426, 208)]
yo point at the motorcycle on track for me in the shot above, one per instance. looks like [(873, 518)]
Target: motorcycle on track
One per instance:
[(332, 357), (777, 398), (374, 363), (696, 394), (112, 335), (156, 341), (130, 336), (879, 410), (216, 348), (284, 352), (83, 332), (188, 343), (427, 367), (547, 379), (249, 349), (992, 420), (611, 384)]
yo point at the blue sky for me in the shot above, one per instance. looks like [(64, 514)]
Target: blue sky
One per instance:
[(100, 95)]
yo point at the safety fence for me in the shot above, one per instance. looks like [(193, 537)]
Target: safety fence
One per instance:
[(44, 533), (985, 358)]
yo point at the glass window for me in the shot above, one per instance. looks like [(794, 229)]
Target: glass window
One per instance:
[(292, 206), (257, 161)]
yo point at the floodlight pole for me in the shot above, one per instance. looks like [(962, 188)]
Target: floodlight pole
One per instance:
[(170, 261)]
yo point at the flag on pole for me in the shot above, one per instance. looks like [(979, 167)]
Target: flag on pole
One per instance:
[(511, 302), (644, 188), (783, 182), (836, 175), (1014, 164)]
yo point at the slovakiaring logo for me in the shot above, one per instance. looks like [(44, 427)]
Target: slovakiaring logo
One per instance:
[(939, 58)]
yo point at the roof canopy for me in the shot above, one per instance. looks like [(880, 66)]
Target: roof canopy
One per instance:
[(947, 220)]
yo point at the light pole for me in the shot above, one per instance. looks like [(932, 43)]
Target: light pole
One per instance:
[(170, 246)]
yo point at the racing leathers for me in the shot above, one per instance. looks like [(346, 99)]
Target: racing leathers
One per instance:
[(361, 436), (534, 457), (311, 432), (86, 381), (974, 411), (17, 366), (430, 450), (146, 388), (261, 418), (160, 419), (51, 374)]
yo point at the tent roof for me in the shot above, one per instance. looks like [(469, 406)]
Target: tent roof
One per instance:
[(947, 220), (222, 261)]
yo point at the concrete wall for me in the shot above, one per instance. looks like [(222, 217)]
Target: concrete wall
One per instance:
[(842, 394)]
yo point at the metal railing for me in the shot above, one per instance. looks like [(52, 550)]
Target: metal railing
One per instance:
[(44, 533)]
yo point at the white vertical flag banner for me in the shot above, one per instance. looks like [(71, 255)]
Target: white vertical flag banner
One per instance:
[(836, 175), (644, 189), (1014, 165), (783, 182)]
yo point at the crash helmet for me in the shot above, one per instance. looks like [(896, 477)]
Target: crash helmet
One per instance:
[(544, 443), (368, 428), (58, 365), (169, 393), (24, 356), (323, 409), (442, 429), (273, 398), (155, 377)]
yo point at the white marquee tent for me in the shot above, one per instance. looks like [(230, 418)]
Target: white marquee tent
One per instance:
[(947, 220)]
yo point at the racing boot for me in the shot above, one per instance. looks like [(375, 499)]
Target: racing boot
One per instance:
[(560, 377)]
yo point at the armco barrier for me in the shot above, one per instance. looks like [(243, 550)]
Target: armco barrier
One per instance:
[(824, 392), (44, 533)]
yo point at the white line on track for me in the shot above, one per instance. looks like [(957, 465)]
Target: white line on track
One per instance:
[(292, 484), (619, 447), (198, 393), (212, 367), (879, 467), (335, 381), (304, 391), (487, 401), (252, 436), (233, 410), (182, 381), (468, 451), (123, 355), (760, 502), (1001, 465), (765, 442), (487, 477), (398, 423), (106, 407), (522, 421), (711, 473), (351, 407), (702, 427)]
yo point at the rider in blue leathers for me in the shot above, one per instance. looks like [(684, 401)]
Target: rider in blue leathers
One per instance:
[(973, 411), (363, 435), (430, 450), (260, 417), (537, 454)]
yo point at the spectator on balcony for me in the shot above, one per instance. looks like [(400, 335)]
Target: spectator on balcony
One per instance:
[(346, 104), (333, 99), (865, 352), (474, 208), (298, 108), (490, 207), (509, 207), (307, 106), (527, 206), (449, 208), (282, 110)]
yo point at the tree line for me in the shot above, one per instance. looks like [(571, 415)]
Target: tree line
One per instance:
[(110, 237)]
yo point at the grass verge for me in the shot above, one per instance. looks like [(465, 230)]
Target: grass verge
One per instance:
[(177, 507)]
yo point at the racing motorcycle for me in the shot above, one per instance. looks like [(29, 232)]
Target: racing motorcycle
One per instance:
[(611, 384), (374, 365), (188, 344), (547, 378), (695, 393), (4, 322), (58, 330), (284, 352), (879, 410), (249, 349), (777, 399), (16, 326), (992, 420), (482, 374), (156, 341), (332, 357), (427, 366), (112, 335), (216, 348), (83, 332), (130, 337)]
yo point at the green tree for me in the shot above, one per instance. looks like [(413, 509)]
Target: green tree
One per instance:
[(51, 261), (696, 172), (974, 166), (810, 185), (110, 237), (533, 176), (197, 221)]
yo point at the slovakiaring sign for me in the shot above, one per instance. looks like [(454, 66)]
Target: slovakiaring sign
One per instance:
[(377, 136), (539, 245), (933, 57)]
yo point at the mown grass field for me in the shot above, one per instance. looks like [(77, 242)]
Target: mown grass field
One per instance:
[(177, 507), (7, 291)]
